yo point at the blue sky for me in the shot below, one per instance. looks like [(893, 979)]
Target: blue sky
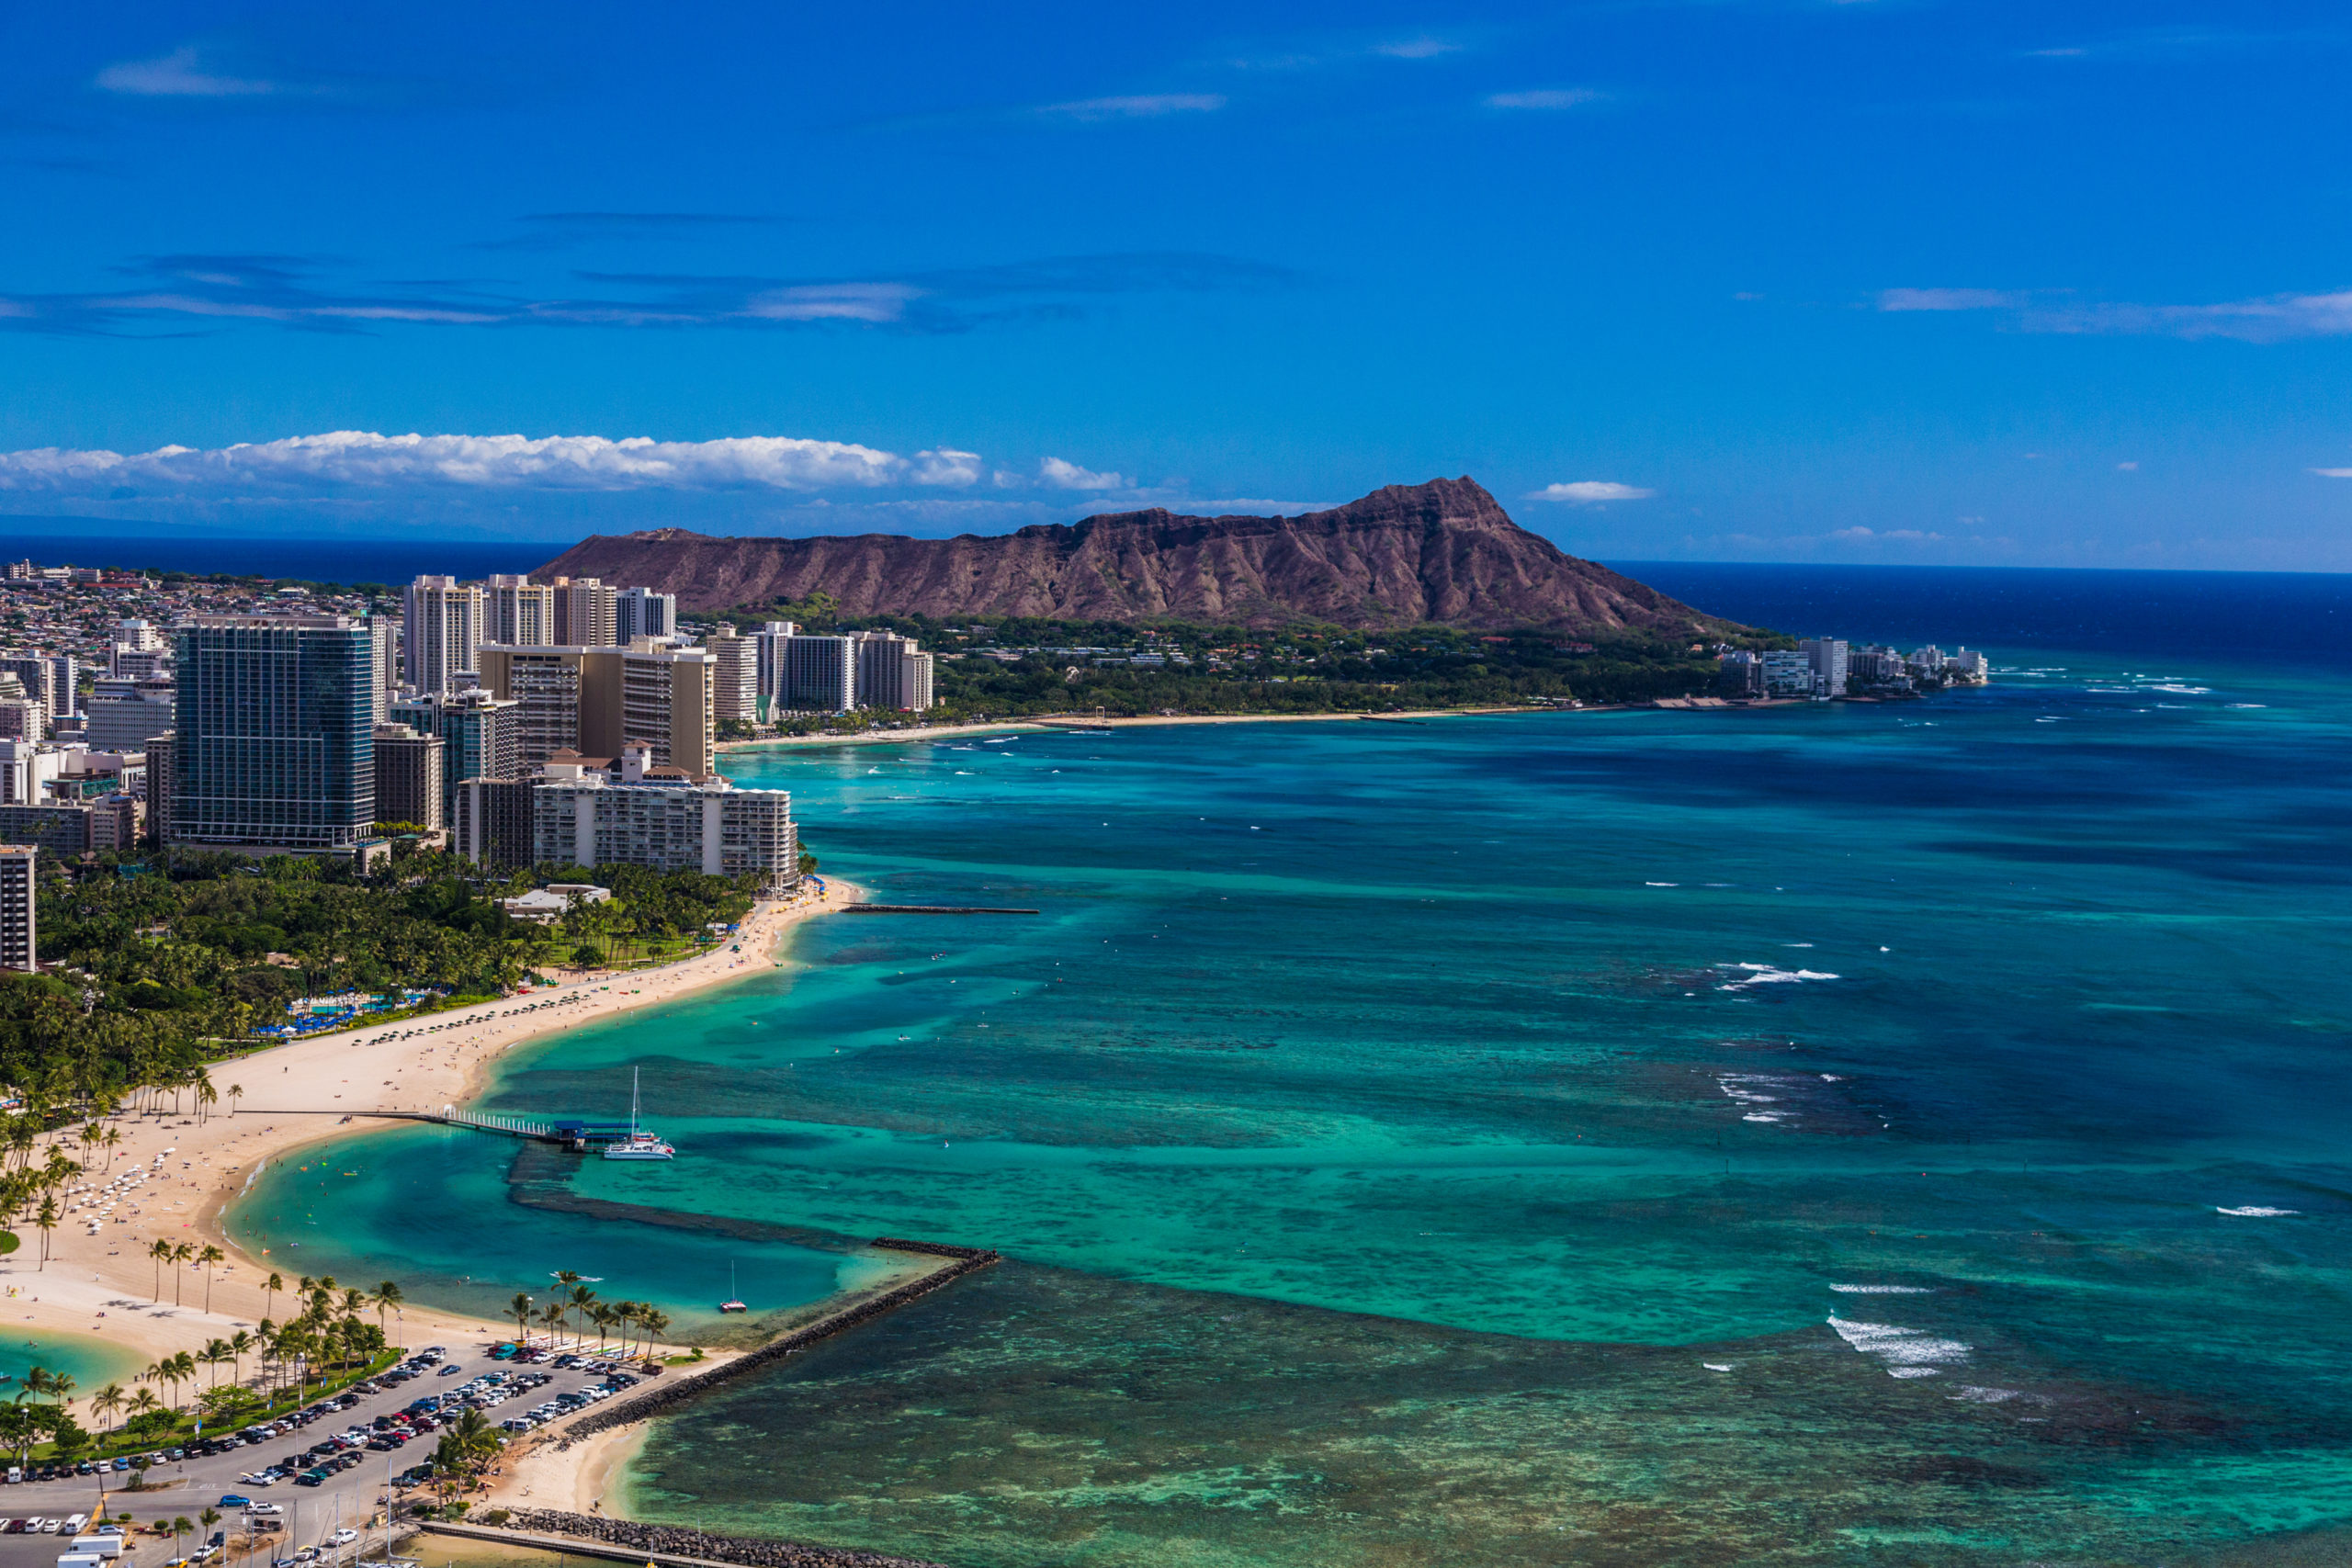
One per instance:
[(1875, 281)]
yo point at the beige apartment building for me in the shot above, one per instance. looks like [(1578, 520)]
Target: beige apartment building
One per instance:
[(594, 701)]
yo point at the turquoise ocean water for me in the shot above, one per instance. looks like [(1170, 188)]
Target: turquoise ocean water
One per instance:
[(1897, 1133)]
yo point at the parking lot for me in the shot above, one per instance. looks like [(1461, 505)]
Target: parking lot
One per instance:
[(324, 1468)]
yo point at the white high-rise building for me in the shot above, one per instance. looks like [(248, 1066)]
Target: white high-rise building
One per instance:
[(640, 612), (1831, 660), (653, 815), (892, 673), (769, 641), (441, 625), (735, 692)]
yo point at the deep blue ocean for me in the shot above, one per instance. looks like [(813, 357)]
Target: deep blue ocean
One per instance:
[(1878, 1133)]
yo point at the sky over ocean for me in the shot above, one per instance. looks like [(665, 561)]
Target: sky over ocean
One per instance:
[(1870, 282)]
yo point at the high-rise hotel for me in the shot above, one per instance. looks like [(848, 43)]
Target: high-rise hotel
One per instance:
[(274, 733)]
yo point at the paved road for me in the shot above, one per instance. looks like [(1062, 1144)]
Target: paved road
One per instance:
[(188, 1487)]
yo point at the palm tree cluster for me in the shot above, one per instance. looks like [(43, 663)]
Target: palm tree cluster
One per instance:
[(202, 948), (24, 1420), (573, 1297), (328, 1330)]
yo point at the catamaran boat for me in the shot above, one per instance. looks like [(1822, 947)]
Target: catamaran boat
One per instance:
[(733, 1303), (640, 1143)]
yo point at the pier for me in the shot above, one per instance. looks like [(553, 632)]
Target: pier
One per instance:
[(570, 1135)]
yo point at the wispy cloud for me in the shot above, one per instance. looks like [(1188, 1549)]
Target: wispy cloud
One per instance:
[(181, 73), (2334, 473), (1138, 106), (1544, 98), (1950, 299), (295, 292), (347, 460), (567, 231), (2270, 319), (1423, 47), (1057, 474), (1591, 492)]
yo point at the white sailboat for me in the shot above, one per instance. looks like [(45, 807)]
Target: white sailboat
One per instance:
[(733, 1301), (640, 1143)]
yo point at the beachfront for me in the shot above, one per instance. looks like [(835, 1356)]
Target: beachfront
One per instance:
[(100, 1279)]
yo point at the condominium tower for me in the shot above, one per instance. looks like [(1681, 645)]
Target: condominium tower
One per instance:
[(273, 738)]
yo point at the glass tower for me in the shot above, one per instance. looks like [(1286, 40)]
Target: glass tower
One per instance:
[(276, 723)]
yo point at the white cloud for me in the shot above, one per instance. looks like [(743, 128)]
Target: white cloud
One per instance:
[(348, 459), (179, 75), (2127, 467), (1588, 492), (945, 466), (1422, 48), (1858, 535), (1140, 105), (2334, 473), (833, 302), (1542, 98), (2270, 319), (1059, 474), (1949, 299)]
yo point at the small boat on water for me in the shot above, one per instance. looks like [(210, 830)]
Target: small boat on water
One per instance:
[(731, 1304), (640, 1143)]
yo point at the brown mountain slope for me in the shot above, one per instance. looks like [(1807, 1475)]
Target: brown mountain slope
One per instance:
[(1442, 551)]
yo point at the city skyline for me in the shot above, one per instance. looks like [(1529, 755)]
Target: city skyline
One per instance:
[(1855, 282)]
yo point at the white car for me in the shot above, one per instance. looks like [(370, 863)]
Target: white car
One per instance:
[(265, 1510), (343, 1536)]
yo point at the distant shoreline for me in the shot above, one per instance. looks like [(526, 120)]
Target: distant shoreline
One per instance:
[(1150, 721)]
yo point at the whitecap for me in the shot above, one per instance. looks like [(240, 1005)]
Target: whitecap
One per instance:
[(2245, 704), (2180, 688), (1906, 1352), (1975, 1394), (2257, 1212), (1882, 1289), (1796, 944), (1661, 885), (965, 773), (1770, 974), (1716, 1365)]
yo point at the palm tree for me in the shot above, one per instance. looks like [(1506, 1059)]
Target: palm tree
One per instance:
[(47, 1220), (653, 1322), (215, 1353), (240, 1345), (601, 1314), (141, 1400), (583, 1298), (209, 1517), (181, 1253), (235, 1094), (211, 1257), (521, 1307), (180, 1527), (388, 1294), (270, 1288), (552, 1315), (161, 1252), (107, 1402)]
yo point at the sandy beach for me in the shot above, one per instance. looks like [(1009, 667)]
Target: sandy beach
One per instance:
[(105, 1284)]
